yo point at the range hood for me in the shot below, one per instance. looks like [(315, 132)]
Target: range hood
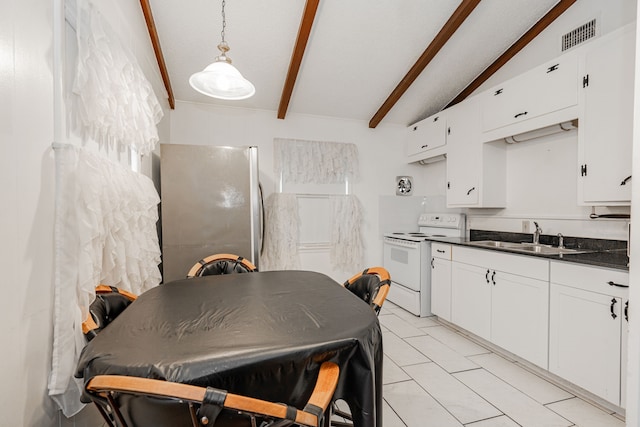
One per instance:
[(545, 131)]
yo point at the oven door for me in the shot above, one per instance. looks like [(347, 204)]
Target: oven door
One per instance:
[(402, 261)]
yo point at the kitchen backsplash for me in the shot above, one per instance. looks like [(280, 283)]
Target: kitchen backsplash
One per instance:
[(609, 229)]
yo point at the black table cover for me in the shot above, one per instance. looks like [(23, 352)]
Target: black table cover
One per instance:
[(263, 335)]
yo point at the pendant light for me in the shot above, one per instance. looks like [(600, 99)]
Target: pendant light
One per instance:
[(220, 79)]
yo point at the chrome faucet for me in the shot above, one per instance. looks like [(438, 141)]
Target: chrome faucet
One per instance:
[(536, 234), (560, 241)]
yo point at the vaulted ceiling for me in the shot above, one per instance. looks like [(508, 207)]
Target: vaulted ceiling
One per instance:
[(379, 61)]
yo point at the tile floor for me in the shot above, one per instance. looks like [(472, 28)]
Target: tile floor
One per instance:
[(434, 376)]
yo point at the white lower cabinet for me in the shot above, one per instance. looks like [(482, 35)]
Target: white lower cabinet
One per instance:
[(587, 323), (568, 318), (471, 298), (502, 298), (441, 280), (519, 316)]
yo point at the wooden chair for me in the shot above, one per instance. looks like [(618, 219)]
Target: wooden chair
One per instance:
[(221, 264), (372, 286), (132, 401), (109, 303)]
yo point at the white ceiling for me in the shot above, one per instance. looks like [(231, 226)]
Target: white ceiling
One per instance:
[(357, 53)]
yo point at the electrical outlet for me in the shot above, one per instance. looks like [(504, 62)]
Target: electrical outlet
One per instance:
[(525, 226)]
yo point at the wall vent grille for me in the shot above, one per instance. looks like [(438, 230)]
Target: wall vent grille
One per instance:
[(579, 35)]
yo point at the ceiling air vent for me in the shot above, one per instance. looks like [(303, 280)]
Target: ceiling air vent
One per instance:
[(579, 35)]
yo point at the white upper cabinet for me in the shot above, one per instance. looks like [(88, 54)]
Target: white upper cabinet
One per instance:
[(476, 172), (426, 135), (606, 120), (543, 90)]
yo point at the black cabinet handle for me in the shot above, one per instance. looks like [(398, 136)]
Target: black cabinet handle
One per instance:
[(440, 251), (493, 277), (524, 113), (626, 311), (613, 304), (486, 276), (553, 68), (498, 92), (624, 181), (470, 190), (432, 259), (610, 283), (424, 146)]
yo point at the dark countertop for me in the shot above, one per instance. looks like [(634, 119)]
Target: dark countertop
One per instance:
[(595, 252)]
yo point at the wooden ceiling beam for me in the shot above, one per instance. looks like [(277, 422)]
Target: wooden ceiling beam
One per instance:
[(155, 41), (457, 18), (306, 22), (538, 27)]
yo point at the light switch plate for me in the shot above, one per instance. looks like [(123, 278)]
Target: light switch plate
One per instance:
[(525, 226)]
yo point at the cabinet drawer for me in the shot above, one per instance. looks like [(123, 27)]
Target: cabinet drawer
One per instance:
[(594, 279), (440, 250), (520, 265)]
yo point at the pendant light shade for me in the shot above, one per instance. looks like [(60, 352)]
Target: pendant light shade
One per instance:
[(220, 79)]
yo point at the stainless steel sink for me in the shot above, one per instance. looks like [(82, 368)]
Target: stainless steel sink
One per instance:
[(531, 248)]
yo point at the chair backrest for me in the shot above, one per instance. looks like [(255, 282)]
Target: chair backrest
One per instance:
[(221, 264), (371, 285), (135, 401), (109, 303)]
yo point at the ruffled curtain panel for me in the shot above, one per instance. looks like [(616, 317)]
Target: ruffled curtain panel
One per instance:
[(105, 232), (281, 233), (114, 103), (346, 239), (315, 162)]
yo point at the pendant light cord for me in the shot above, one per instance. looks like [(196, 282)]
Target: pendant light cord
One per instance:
[(224, 21)]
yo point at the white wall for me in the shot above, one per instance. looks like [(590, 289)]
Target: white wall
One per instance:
[(27, 129), (381, 156), (26, 172)]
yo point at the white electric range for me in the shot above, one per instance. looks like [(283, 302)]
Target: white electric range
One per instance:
[(407, 257)]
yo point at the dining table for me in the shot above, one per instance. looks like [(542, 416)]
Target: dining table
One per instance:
[(261, 334)]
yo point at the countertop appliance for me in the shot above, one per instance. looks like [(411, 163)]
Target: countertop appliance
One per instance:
[(407, 256), (211, 203)]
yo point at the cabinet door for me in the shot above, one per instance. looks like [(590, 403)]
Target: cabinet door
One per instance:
[(520, 316), (545, 89), (606, 122), (464, 161), (426, 135), (471, 298), (623, 355), (441, 288), (584, 344)]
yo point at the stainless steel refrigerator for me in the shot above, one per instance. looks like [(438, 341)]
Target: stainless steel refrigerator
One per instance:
[(210, 203)]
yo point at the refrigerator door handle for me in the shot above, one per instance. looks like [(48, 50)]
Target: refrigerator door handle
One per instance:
[(261, 218)]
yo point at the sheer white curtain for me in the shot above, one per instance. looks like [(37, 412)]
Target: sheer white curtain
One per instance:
[(113, 102), (105, 232), (281, 233), (314, 162)]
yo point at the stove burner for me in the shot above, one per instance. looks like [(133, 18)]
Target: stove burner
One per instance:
[(417, 234), (398, 233), (438, 235)]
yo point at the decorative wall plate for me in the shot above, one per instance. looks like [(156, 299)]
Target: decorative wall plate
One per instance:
[(404, 185)]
